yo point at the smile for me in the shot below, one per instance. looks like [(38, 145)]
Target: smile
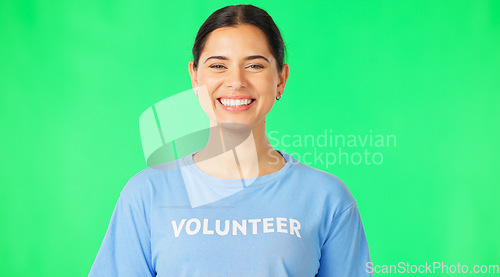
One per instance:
[(235, 102), (236, 105)]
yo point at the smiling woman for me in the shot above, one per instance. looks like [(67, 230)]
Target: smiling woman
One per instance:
[(237, 207), (239, 79)]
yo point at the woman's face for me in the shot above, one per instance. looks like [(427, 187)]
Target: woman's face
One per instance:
[(237, 78)]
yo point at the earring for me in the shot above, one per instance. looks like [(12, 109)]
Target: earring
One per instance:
[(278, 97)]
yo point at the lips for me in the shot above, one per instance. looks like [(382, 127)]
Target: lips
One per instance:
[(235, 100), (236, 103), (238, 97)]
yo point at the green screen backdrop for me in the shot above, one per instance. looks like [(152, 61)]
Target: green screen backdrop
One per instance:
[(399, 99)]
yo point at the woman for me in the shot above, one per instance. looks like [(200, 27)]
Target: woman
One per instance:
[(237, 207)]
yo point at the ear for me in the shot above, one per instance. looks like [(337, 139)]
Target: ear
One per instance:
[(283, 77), (193, 75)]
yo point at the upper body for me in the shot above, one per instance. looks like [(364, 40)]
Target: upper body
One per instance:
[(237, 207), (176, 220)]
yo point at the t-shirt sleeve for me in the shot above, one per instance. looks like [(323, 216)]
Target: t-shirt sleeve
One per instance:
[(345, 250), (126, 248)]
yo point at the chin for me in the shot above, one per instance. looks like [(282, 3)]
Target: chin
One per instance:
[(236, 126)]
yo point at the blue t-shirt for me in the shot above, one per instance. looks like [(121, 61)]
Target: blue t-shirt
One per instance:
[(176, 220)]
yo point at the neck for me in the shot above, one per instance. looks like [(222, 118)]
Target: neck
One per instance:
[(236, 151)]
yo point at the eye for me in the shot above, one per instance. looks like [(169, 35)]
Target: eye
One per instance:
[(256, 66), (217, 66)]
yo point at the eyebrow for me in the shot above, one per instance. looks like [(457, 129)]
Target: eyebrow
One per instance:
[(253, 57)]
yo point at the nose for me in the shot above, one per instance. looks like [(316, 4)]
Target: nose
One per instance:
[(235, 78)]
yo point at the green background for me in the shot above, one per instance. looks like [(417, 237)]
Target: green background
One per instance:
[(76, 75)]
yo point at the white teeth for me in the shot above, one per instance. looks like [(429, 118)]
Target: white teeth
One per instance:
[(235, 102)]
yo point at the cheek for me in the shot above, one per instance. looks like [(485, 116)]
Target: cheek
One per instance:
[(210, 82), (266, 84)]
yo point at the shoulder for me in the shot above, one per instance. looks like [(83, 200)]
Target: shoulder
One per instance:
[(322, 185), (140, 188)]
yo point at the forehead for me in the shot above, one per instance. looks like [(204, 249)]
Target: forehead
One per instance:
[(237, 40)]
